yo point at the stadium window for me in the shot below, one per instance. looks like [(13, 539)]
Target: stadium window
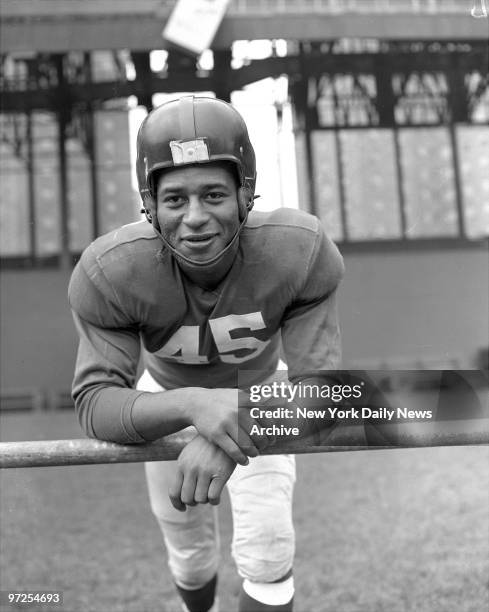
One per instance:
[(47, 197), (370, 187), (15, 213), (391, 157), (428, 183), (99, 193), (326, 182), (384, 184), (473, 146)]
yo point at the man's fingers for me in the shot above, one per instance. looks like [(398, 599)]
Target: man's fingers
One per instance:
[(247, 443), (202, 489), (246, 438), (215, 489), (262, 441), (175, 492), (188, 488), (230, 447)]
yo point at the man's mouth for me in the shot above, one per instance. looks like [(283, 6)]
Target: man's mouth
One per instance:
[(198, 241)]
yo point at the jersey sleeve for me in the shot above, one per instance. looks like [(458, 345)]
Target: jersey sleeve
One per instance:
[(310, 329), (107, 359)]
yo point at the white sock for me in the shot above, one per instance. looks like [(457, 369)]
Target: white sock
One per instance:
[(270, 593)]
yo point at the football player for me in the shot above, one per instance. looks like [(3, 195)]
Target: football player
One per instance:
[(207, 294)]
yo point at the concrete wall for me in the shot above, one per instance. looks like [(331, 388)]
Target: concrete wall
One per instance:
[(397, 307), (38, 339), (402, 307)]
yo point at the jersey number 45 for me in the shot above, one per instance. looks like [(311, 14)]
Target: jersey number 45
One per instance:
[(183, 346)]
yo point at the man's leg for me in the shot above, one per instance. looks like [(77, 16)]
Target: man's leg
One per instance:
[(263, 540), (191, 538)]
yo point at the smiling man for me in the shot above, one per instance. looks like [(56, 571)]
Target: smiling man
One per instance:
[(197, 209), (206, 294)]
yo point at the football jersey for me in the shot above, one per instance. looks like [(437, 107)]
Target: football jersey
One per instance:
[(130, 298)]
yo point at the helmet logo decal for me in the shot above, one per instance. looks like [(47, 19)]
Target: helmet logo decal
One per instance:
[(189, 151)]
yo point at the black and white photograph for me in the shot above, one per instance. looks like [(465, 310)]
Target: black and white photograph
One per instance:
[(244, 305)]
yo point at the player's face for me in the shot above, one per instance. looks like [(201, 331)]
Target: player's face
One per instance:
[(198, 209)]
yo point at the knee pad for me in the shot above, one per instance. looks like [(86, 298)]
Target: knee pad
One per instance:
[(264, 552), (261, 498)]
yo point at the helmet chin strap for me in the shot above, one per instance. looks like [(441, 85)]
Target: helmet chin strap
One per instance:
[(207, 262)]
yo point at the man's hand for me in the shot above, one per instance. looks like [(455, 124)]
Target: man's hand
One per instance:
[(202, 471), (216, 416)]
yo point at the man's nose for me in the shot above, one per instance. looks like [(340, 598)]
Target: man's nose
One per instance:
[(196, 215)]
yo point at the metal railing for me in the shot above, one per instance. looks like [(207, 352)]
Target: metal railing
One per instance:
[(344, 438)]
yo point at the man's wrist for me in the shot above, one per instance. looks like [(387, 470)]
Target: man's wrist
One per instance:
[(190, 404), (155, 415)]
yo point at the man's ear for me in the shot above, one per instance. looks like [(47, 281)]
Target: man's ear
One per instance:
[(147, 213), (245, 202), (149, 209)]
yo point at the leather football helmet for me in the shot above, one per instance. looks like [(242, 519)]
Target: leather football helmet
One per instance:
[(194, 130)]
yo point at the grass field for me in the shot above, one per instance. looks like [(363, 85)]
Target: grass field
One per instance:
[(380, 531)]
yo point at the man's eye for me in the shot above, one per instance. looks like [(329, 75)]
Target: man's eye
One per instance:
[(174, 201), (215, 195)]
